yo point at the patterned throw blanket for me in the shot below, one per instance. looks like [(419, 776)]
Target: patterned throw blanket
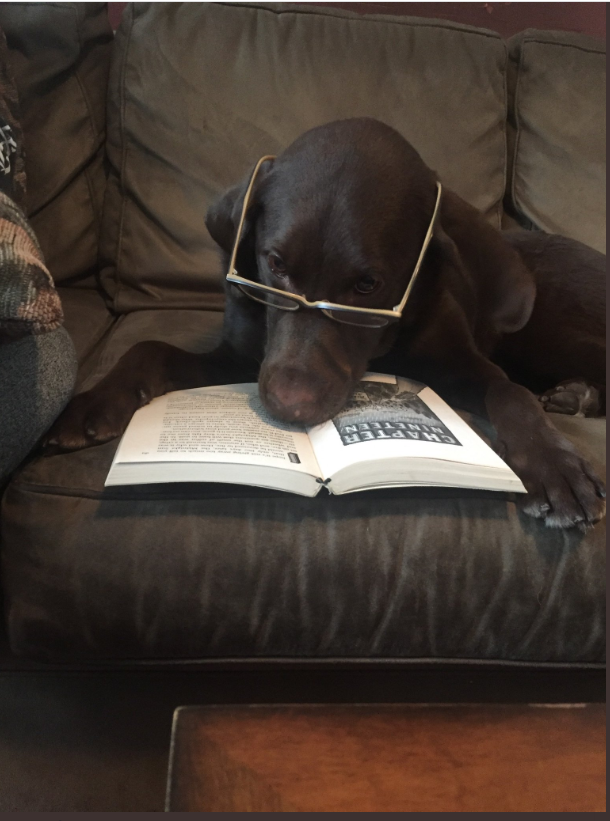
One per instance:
[(29, 303)]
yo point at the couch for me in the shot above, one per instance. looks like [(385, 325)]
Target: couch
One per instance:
[(128, 139)]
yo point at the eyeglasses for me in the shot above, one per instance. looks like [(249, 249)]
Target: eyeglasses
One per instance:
[(286, 301)]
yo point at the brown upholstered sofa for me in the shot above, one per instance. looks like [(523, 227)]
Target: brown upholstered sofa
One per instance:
[(128, 140)]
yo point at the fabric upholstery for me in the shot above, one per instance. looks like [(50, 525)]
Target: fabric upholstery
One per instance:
[(218, 571), (86, 318), (60, 54), (211, 571), (559, 160), (198, 92), (197, 331), (87, 321)]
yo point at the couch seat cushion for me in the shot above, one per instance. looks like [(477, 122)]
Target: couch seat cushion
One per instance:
[(559, 174), (212, 571), (199, 91)]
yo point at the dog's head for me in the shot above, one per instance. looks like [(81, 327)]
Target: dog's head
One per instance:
[(340, 216)]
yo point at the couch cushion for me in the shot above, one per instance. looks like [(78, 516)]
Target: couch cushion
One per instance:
[(199, 91), (60, 55), (559, 163), (204, 571), (197, 331), (88, 321)]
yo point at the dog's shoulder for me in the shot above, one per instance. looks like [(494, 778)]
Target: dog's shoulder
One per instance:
[(503, 285)]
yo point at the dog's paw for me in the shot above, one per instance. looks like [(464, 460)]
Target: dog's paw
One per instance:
[(574, 397), (91, 418), (562, 489)]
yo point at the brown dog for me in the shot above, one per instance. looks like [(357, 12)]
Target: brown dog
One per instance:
[(341, 216)]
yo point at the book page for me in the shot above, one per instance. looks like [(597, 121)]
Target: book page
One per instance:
[(390, 417), (226, 424)]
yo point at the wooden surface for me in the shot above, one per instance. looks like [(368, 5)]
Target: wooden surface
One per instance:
[(388, 758)]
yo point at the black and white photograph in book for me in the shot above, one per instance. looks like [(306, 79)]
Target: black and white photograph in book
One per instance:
[(379, 410)]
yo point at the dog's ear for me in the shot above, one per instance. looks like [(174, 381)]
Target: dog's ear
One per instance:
[(223, 215), (505, 286)]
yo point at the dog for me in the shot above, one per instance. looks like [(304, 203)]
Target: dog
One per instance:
[(343, 216)]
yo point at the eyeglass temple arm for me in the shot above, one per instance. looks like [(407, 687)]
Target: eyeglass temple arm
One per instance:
[(400, 307), (244, 209)]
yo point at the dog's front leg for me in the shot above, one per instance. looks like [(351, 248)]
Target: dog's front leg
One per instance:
[(147, 370), (562, 487)]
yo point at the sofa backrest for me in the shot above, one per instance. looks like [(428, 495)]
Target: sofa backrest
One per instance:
[(199, 91), (60, 57), (558, 124)]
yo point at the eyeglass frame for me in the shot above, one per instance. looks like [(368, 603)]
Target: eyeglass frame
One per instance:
[(391, 315)]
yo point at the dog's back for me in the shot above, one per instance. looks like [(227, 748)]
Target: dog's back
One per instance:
[(568, 324)]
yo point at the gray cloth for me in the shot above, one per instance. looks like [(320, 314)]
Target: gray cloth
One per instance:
[(37, 376)]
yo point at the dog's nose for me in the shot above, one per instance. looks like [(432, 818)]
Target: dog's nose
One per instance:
[(291, 399)]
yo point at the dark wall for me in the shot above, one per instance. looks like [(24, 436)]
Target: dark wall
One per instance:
[(505, 18)]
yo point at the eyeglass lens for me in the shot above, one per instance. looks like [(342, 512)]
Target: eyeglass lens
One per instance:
[(355, 318), (285, 303), (269, 298)]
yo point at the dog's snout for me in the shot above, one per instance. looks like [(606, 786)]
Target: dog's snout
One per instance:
[(291, 396)]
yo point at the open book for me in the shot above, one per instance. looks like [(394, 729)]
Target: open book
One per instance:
[(392, 433)]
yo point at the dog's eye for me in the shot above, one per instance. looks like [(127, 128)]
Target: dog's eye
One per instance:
[(277, 264), (366, 284)]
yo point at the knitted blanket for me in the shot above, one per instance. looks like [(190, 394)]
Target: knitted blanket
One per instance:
[(29, 303)]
